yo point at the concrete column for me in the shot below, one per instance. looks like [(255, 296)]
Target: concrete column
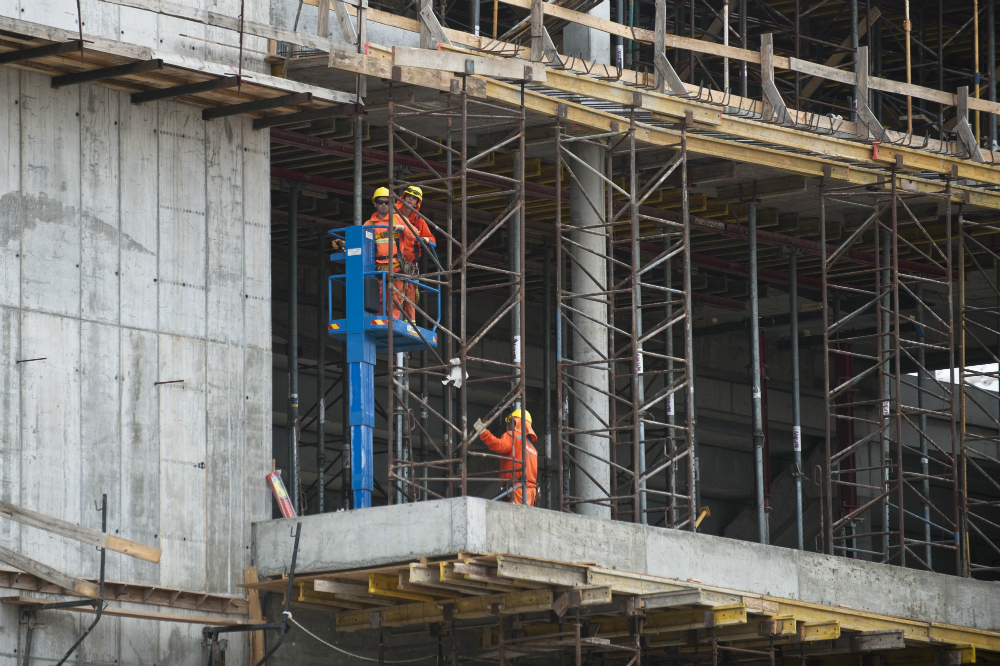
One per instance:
[(590, 344), (582, 42)]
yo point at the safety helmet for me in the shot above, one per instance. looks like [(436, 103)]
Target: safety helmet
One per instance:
[(379, 193), (516, 414), (415, 191)]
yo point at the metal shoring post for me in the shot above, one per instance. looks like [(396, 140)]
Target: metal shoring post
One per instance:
[(827, 489), (884, 289), (715, 647), (691, 440), (381, 631), (547, 369), (763, 533), (389, 303), (793, 302), (925, 483), (321, 336), (522, 298), (292, 345), (579, 650), (560, 467), (669, 404), (446, 303), (519, 225), (743, 45), (798, 54), (725, 41), (898, 354), (638, 388), (423, 412), (854, 49), (463, 350), (940, 68), (991, 63), (962, 538)]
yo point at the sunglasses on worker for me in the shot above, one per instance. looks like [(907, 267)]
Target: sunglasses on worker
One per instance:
[(381, 202)]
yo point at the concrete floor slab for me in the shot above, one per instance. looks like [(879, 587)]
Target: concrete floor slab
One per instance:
[(384, 535)]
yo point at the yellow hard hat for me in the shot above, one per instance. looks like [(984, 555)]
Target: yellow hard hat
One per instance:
[(415, 191), (379, 193), (516, 414)]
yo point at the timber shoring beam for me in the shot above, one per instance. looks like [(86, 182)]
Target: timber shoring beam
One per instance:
[(188, 89), (59, 48), (260, 105), (105, 73)]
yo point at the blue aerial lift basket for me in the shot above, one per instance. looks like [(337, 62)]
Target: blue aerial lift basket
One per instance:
[(366, 327)]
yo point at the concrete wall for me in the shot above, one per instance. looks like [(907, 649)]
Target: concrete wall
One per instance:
[(134, 248), (387, 534)]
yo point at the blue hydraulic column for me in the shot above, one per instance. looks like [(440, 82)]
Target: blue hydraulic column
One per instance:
[(366, 328)]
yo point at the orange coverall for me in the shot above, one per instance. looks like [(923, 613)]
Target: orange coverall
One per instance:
[(510, 445), (403, 241), (417, 224)]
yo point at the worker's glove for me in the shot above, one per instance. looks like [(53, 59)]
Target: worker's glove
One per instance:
[(338, 245), (479, 427)]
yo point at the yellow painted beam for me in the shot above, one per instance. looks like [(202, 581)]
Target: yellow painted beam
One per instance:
[(384, 585)]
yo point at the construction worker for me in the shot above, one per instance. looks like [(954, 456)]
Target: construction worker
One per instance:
[(404, 292), (513, 466), (409, 208)]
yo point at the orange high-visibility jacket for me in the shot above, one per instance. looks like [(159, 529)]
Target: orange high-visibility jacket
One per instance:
[(403, 238), (417, 224), (510, 445)]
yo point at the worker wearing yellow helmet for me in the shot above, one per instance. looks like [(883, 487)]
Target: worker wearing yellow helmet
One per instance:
[(409, 208), (517, 459), (402, 241)]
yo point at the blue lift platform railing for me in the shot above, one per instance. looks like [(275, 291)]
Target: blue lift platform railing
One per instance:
[(366, 327)]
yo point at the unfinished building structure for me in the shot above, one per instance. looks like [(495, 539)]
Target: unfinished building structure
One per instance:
[(744, 276)]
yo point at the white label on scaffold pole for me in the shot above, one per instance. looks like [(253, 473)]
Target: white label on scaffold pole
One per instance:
[(885, 408), (638, 362), (670, 405), (517, 349), (796, 438)]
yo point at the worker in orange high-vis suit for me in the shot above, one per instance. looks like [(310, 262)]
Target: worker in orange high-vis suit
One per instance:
[(409, 208), (512, 468), (404, 294)]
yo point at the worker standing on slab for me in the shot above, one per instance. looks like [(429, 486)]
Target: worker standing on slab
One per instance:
[(513, 465), (402, 241)]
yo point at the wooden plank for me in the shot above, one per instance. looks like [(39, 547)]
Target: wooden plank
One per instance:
[(838, 57), (209, 620), (823, 71), (911, 90), (447, 61), (45, 572), (254, 614)]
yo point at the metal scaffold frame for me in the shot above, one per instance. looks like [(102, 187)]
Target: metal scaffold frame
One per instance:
[(867, 469), (418, 467), (638, 252), (977, 322)]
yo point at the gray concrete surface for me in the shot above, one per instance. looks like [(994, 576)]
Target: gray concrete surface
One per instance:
[(134, 249), (388, 534)]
